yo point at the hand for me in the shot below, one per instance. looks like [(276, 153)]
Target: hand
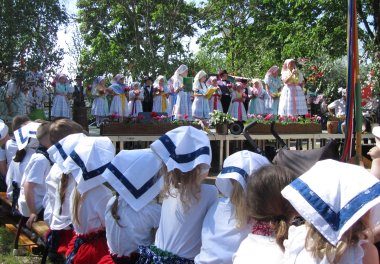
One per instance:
[(374, 152), (32, 219)]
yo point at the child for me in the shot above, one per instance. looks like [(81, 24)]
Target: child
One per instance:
[(62, 93), (33, 187), (273, 86), (119, 104), (89, 199), (214, 102), (65, 135), (132, 214), (135, 98), (236, 108), (226, 222), (100, 104), (334, 198), (258, 94), (4, 137), (200, 107), (180, 109), (271, 215), (11, 145), (160, 95), (186, 153)]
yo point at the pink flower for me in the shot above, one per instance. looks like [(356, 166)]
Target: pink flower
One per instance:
[(268, 117), (259, 116), (186, 116), (308, 115)]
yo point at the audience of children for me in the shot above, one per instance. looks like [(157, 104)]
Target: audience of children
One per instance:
[(251, 222)]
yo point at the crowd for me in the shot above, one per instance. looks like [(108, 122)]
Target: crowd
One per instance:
[(151, 205)]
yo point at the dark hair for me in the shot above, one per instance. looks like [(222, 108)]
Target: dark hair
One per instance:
[(223, 72), (20, 155), (265, 202), (62, 128), (18, 120)]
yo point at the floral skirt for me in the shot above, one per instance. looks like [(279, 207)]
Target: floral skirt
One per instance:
[(152, 254)]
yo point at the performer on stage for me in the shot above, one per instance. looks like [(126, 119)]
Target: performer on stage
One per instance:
[(214, 101), (135, 97), (273, 86), (62, 93), (160, 95), (236, 108), (257, 95), (181, 109), (78, 94), (225, 87), (119, 90), (147, 93), (292, 99), (200, 107), (100, 104)]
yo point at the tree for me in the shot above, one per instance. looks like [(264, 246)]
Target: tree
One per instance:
[(135, 37), (28, 34)]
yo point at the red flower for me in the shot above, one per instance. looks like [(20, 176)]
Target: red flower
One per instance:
[(153, 114), (186, 116), (320, 74), (140, 117), (308, 115), (268, 117)]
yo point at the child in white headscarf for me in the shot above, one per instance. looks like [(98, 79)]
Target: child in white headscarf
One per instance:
[(135, 99), (237, 109), (119, 104), (160, 95), (181, 108), (62, 93), (200, 107), (258, 94), (214, 101), (100, 104)]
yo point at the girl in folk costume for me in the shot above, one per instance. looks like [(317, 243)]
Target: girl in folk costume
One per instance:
[(337, 215), (100, 104), (271, 215), (62, 94), (292, 99), (27, 144), (160, 95), (257, 102), (89, 199), (200, 107), (33, 187), (133, 215), (226, 222), (186, 153), (64, 135), (172, 97), (236, 108), (214, 102), (135, 98), (181, 107), (118, 90), (273, 86)]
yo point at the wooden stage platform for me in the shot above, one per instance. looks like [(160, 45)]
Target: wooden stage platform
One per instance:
[(225, 143)]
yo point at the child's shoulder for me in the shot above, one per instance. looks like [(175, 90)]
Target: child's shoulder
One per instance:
[(209, 190)]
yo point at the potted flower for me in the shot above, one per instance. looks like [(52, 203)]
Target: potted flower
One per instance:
[(221, 121)]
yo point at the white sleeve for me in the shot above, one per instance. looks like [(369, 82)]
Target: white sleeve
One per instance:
[(37, 169)]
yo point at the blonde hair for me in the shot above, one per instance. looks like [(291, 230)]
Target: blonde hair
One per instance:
[(188, 184), (319, 247), (238, 199), (43, 130), (265, 202), (114, 209), (77, 200)]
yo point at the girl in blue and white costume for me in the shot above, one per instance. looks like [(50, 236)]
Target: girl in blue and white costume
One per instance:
[(226, 223), (62, 94), (181, 108), (119, 104), (100, 104), (214, 102), (135, 99), (200, 107), (273, 85), (160, 96)]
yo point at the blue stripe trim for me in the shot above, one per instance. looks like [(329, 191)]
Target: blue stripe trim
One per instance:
[(21, 136), (137, 193), (61, 151), (230, 169), (182, 158), (87, 175), (336, 219)]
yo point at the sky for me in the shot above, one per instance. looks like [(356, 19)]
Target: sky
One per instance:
[(65, 37)]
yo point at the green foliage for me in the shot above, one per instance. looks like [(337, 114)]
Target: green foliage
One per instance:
[(135, 37), (217, 118), (28, 34)]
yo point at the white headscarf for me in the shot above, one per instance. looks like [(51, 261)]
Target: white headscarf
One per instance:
[(117, 78), (197, 85), (96, 83), (181, 69), (157, 81)]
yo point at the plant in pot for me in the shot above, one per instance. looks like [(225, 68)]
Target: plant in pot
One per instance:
[(221, 121)]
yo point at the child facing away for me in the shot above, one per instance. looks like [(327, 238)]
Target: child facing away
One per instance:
[(334, 198), (200, 106), (226, 222), (186, 153), (89, 199), (99, 107), (62, 93), (133, 215), (119, 103), (237, 109), (33, 187), (271, 216), (135, 99), (160, 96), (214, 101), (258, 94)]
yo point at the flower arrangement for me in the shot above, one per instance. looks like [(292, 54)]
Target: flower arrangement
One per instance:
[(284, 120), (218, 118)]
